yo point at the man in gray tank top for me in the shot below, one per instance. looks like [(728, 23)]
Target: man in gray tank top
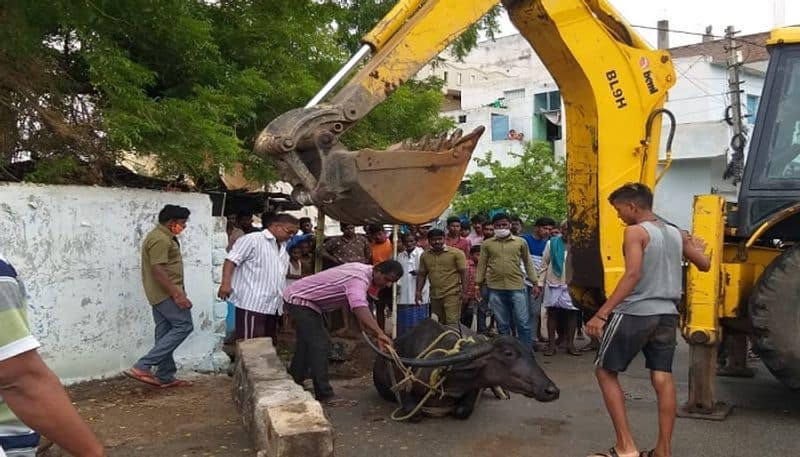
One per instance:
[(641, 314)]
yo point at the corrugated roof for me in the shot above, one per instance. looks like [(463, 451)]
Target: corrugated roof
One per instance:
[(753, 49)]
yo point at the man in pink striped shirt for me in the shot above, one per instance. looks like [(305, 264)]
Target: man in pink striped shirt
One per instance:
[(307, 298)]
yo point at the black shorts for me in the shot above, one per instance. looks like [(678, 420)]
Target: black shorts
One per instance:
[(625, 335)]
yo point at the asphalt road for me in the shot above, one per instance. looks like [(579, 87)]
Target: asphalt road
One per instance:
[(765, 421)]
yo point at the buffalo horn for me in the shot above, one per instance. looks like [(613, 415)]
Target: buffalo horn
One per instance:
[(464, 356)]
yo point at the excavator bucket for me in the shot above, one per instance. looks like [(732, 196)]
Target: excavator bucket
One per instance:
[(410, 182)]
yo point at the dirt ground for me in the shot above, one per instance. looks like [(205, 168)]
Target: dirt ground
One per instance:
[(133, 419)]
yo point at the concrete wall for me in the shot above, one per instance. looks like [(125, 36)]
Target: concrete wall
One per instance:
[(78, 251)]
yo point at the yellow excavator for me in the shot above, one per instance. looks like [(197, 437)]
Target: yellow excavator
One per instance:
[(614, 87)]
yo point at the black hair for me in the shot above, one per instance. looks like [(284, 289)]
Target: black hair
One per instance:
[(485, 223), (501, 217), (477, 219), (303, 220), (373, 228), (281, 218), (514, 218), (633, 192), (465, 225), (542, 221), (433, 233), (474, 249), (172, 212), (390, 267), (342, 225), (405, 236), (452, 219)]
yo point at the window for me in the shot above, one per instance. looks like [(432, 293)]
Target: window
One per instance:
[(459, 79), (547, 101), (462, 118), (778, 162), (499, 127), (752, 108), (444, 76), (472, 78)]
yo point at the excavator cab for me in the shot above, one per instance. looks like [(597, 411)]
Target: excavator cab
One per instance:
[(769, 199)]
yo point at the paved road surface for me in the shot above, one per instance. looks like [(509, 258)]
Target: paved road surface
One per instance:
[(765, 422)]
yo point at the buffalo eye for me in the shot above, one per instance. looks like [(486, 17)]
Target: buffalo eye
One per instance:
[(508, 353)]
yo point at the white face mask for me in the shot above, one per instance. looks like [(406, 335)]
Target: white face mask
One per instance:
[(502, 233)]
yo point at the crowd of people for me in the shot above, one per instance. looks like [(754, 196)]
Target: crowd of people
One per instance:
[(484, 269)]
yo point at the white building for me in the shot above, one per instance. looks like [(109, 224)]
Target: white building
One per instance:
[(504, 86)]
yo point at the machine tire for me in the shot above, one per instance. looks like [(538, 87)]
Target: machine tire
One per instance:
[(775, 314)]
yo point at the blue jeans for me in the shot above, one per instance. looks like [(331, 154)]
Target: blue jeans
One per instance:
[(511, 306), (173, 325)]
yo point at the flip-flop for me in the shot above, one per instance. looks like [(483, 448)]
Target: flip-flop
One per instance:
[(142, 376), (550, 351), (575, 352), (340, 403), (611, 452), (176, 383), (650, 453)]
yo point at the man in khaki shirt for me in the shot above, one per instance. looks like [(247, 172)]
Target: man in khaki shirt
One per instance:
[(446, 269), (498, 269), (162, 278)]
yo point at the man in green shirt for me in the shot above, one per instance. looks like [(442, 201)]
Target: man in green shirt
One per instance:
[(162, 277), (499, 269), (28, 388), (446, 269)]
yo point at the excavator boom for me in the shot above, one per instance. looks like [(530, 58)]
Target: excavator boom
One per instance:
[(612, 83)]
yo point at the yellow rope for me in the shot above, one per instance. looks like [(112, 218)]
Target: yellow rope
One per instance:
[(437, 377)]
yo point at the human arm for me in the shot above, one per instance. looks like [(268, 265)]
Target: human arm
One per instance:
[(422, 277), (524, 255), (694, 250), (368, 323), (162, 278), (542, 273), (480, 272), (461, 266), (36, 396), (633, 245), (225, 288), (326, 252)]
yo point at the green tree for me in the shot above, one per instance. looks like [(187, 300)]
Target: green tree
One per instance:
[(190, 82), (533, 187)]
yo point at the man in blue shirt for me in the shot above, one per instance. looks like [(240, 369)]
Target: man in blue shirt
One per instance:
[(536, 243)]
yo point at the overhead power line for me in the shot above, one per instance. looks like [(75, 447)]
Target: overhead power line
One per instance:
[(686, 32)]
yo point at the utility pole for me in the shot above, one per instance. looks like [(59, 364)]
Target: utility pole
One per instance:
[(733, 113)]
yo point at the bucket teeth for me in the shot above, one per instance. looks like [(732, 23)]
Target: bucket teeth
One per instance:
[(429, 143)]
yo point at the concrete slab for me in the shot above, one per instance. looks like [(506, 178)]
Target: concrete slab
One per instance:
[(282, 419)]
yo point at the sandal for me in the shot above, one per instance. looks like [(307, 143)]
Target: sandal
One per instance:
[(142, 376), (550, 351), (650, 453), (176, 383), (611, 452), (575, 352)]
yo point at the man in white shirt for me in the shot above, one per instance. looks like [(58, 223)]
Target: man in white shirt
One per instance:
[(254, 275), (407, 286)]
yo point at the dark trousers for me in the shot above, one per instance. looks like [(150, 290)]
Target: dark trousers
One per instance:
[(250, 324), (312, 346), (173, 325)]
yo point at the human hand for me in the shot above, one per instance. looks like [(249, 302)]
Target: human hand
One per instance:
[(384, 341), (536, 292), (182, 301), (418, 297), (596, 325), (225, 291)]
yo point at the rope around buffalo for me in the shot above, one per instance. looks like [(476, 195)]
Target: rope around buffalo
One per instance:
[(437, 378)]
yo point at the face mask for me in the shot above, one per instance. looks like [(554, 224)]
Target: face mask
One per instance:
[(177, 229), (502, 233)]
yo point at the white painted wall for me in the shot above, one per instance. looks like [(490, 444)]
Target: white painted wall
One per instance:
[(78, 250)]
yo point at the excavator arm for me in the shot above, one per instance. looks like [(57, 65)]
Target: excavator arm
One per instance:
[(613, 85)]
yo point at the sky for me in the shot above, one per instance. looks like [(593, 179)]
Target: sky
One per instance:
[(748, 16)]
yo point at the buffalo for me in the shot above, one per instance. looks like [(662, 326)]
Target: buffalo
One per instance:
[(503, 362)]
